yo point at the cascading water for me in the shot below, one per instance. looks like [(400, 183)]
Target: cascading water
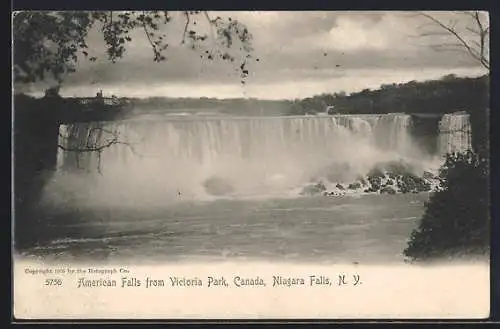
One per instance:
[(393, 130), (454, 133), (161, 161)]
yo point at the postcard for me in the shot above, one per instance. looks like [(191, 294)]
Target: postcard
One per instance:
[(250, 165)]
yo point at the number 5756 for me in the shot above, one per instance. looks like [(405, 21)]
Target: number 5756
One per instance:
[(53, 282)]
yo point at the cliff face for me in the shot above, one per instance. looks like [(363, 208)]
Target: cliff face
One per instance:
[(425, 131), (36, 135), (36, 130)]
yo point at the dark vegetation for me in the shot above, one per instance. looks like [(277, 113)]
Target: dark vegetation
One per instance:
[(49, 44), (449, 94), (457, 220), (426, 100), (434, 97), (386, 180), (47, 47), (36, 131)]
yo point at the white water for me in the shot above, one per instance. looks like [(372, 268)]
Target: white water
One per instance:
[(184, 158)]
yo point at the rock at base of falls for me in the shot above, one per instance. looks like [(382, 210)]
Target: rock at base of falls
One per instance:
[(392, 178)]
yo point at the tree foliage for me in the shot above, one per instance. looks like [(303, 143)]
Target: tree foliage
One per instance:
[(456, 220), (49, 44), (448, 94)]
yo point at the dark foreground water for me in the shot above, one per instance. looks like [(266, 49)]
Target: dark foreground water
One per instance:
[(366, 229)]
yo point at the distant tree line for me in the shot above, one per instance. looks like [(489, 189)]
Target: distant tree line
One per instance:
[(448, 94)]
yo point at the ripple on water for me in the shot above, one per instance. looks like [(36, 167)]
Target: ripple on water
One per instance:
[(313, 229)]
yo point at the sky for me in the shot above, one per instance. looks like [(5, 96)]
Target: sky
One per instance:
[(300, 54)]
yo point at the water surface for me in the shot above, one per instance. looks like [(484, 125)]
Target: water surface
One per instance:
[(364, 229)]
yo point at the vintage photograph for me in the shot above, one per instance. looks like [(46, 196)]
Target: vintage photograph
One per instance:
[(246, 137)]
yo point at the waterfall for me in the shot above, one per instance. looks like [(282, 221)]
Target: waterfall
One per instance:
[(393, 130), (454, 133), (247, 156)]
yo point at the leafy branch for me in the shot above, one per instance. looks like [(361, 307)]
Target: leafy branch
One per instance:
[(50, 43)]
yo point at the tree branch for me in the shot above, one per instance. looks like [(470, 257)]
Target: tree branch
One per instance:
[(473, 31), (211, 23), (155, 51), (67, 33), (93, 148), (478, 21), (188, 20), (88, 148), (482, 35), (450, 47), (479, 56)]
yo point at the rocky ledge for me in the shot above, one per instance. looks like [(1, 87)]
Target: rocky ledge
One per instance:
[(382, 181)]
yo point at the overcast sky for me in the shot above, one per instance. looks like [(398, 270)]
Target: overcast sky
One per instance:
[(300, 54)]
